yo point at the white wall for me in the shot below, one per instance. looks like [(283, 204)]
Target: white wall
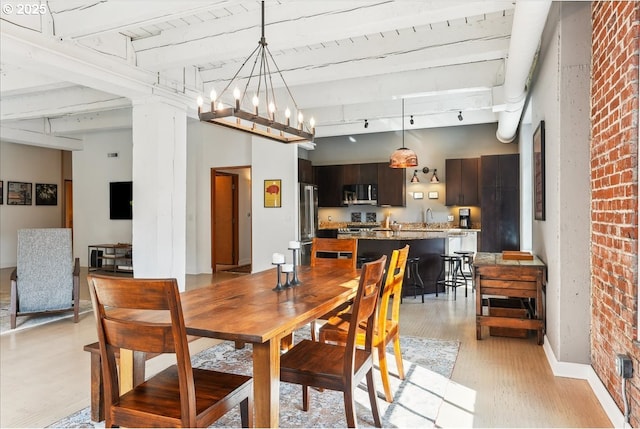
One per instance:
[(31, 164), (93, 170), (211, 146), (562, 100), (208, 146), (433, 146)]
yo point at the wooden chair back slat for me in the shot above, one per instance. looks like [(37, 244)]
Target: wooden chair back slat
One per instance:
[(325, 252), (392, 288), (364, 306)]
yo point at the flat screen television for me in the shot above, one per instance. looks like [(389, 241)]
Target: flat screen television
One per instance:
[(121, 200)]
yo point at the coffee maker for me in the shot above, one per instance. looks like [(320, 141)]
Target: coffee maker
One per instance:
[(465, 217)]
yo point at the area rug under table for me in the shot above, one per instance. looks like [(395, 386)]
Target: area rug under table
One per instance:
[(428, 364)]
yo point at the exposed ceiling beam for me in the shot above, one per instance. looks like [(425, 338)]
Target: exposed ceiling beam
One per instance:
[(35, 138), (104, 16), (72, 63), (59, 102), (285, 29)]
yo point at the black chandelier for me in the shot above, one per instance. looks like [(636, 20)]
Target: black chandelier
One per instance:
[(274, 124)]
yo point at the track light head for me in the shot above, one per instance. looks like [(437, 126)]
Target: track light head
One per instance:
[(366, 123), (460, 118), (411, 120)]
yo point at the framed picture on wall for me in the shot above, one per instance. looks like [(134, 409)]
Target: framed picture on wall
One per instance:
[(538, 172), (273, 193), (46, 194), (19, 193), (1, 191)]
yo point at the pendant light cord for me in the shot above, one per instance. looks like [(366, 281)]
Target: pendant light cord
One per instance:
[(403, 123)]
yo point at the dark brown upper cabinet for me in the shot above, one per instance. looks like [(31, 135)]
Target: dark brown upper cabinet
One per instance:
[(462, 182), (305, 171), (331, 179), (391, 185), (360, 173), (500, 188)]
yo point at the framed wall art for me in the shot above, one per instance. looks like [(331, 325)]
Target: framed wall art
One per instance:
[(538, 173), (46, 194), (19, 193), (273, 193), (1, 191)]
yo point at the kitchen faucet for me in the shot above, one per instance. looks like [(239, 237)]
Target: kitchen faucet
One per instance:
[(429, 211)]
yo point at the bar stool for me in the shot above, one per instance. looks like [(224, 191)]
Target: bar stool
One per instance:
[(413, 276), (467, 262), (448, 277)]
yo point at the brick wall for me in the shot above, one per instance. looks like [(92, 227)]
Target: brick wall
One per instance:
[(614, 194)]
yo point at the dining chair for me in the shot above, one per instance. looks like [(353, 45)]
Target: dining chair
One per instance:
[(386, 328), (178, 396), (341, 367), (333, 253)]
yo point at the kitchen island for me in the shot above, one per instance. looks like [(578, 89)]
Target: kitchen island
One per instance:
[(428, 245)]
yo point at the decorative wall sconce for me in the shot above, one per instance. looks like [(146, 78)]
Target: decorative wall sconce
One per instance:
[(425, 170)]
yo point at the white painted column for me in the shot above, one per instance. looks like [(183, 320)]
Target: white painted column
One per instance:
[(159, 189)]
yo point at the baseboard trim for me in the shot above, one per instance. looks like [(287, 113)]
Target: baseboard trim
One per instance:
[(586, 372)]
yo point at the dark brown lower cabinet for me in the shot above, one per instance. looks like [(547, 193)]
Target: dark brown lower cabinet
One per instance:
[(429, 251), (500, 202)]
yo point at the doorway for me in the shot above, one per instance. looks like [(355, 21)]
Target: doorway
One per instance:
[(230, 218)]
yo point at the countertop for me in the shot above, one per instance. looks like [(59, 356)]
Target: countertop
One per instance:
[(400, 235), (406, 227)]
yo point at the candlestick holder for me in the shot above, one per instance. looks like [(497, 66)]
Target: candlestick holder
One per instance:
[(287, 283), (295, 281), (279, 285)]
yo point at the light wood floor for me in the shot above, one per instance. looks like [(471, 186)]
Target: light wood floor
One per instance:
[(497, 382)]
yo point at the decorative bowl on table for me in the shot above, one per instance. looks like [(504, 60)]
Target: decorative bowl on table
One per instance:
[(395, 227)]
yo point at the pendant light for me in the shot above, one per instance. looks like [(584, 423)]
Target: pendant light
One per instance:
[(403, 157)]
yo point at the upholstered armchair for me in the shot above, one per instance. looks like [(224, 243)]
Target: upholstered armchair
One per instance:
[(46, 279)]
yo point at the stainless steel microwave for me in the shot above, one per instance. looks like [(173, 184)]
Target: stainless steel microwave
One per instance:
[(360, 194)]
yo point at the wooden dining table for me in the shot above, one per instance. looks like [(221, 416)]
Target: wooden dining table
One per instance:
[(246, 309)]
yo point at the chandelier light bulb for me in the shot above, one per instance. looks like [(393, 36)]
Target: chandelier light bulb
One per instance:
[(300, 117), (255, 100), (213, 95), (287, 113), (220, 105), (236, 93), (312, 123), (200, 101), (272, 107)]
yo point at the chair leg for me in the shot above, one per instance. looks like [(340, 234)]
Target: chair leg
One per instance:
[(305, 398), (246, 413), (384, 371), (313, 331), (373, 398), (398, 353), (350, 408)]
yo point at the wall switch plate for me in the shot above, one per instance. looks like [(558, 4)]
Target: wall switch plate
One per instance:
[(450, 218)]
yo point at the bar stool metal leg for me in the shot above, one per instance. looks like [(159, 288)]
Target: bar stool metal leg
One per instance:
[(413, 275)]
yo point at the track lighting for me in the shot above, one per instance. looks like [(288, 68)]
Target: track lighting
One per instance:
[(460, 118), (366, 123), (411, 120)]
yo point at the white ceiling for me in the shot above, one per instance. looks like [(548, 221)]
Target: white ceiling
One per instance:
[(76, 65)]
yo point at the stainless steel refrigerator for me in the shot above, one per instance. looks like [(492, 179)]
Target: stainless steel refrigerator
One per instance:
[(308, 220)]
